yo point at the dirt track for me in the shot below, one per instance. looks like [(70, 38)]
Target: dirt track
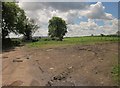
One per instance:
[(78, 65)]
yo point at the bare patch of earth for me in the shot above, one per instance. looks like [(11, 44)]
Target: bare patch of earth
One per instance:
[(77, 65)]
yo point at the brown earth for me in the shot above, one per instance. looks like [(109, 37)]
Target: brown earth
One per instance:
[(77, 65)]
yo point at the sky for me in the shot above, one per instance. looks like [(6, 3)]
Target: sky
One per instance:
[(82, 18)]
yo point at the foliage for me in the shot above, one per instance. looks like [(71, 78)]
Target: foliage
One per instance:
[(10, 43), (15, 20), (116, 72), (10, 13), (57, 28), (27, 28), (102, 35)]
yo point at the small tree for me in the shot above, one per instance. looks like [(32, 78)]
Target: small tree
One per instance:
[(92, 35), (57, 28), (27, 28), (30, 29), (118, 33), (102, 35)]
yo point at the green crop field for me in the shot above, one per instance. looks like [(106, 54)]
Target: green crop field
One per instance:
[(44, 42)]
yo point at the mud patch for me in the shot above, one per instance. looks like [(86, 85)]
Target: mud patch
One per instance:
[(17, 60), (4, 57), (34, 83), (60, 79), (73, 65), (61, 83), (37, 61), (49, 49), (16, 83)]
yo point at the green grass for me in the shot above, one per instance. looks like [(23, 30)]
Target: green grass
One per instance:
[(72, 41), (116, 73)]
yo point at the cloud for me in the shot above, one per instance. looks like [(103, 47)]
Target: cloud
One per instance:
[(41, 32), (66, 10), (72, 9), (61, 6), (72, 13), (96, 11), (90, 27)]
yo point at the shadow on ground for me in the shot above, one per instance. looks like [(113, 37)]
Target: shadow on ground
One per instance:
[(9, 45)]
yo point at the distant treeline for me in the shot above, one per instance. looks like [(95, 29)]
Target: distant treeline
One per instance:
[(110, 35)]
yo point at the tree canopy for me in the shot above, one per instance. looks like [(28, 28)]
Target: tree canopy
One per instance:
[(57, 28), (28, 27), (15, 20), (10, 13)]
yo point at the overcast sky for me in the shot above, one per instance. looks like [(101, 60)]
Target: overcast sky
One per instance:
[(83, 18)]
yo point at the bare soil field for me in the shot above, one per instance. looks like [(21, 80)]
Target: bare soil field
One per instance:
[(76, 65)]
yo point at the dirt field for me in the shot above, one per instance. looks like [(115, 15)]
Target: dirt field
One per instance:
[(77, 65)]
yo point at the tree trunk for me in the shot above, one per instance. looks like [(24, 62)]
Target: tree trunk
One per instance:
[(60, 38)]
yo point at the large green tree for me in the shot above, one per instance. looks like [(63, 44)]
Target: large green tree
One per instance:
[(10, 13), (15, 20), (57, 28)]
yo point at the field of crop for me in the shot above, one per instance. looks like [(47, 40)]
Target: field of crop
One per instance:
[(72, 41)]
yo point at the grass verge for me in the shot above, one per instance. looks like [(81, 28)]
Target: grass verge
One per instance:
[(116, 73)]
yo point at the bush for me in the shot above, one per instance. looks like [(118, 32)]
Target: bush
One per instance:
[(47, 39), (8, 43), (35, 40)]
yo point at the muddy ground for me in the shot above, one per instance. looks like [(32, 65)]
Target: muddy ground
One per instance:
[(77, 65)]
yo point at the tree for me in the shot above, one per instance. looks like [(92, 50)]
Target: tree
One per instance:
[(102, 35), (30, 29), (118, 33), (92, 35), (10, 12), (27, 28), (15, 20), (57, 28)]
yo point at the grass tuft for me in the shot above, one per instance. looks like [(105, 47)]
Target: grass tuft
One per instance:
[(115, 73)]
